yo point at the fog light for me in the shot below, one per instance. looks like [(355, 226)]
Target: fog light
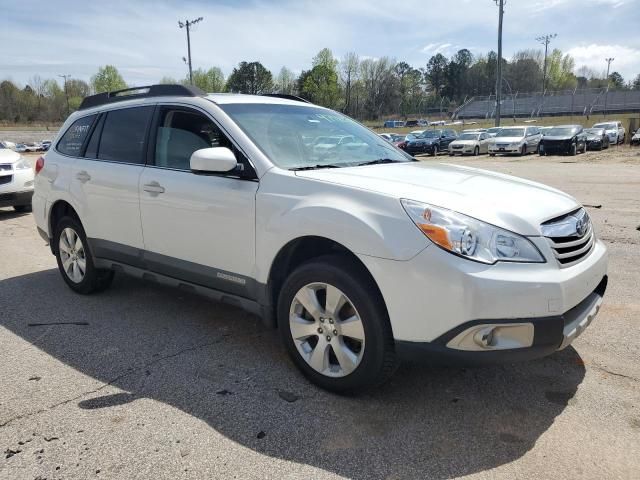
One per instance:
[(484, 337)]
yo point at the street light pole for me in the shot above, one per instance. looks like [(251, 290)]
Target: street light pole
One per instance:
[(606, 93), (500, 4), (187, 24), (66, 93), (545, 40)]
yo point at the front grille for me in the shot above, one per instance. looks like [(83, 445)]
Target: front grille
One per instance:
[(458, 147), (4, 179), (502, 145), (570, 236), (5, 167)]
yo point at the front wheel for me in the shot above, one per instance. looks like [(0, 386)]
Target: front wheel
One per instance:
[(334, 325), (523, 151), (573, 150), (476, 151), (75, 261), (435, 151)]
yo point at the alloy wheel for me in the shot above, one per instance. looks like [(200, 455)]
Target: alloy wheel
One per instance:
[(72, 255), (327, 330)]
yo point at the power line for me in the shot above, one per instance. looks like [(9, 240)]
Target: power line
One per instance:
[(545, 40), (188, 24), (66, 93), (500, 4)]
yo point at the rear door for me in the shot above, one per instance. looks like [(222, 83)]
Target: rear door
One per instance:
[(104, 183), (199, 228)]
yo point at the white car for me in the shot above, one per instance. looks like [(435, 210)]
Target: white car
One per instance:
[(615, 131), (470, 143), (635, 140), (358, 262), (16, 181), (519, 140)]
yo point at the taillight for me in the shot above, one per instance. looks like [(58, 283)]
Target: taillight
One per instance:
[(39, 165)]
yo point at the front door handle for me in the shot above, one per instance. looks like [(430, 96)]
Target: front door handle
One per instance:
[(153, 187), (83, 176)]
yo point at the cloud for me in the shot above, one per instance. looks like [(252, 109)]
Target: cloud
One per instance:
[(593, 56), (434, 48)]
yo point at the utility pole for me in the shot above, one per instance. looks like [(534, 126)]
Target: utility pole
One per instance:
[(500, 4), (606, 93), (188, 24), (66, 93), (545, 40)]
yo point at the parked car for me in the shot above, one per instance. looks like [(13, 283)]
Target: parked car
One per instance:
[(20, 148), (520, 140), (615, 131), (32, 147), (357, 261), (16, 181), (493, 131), (470, 143), (635, 140), (393, 124), (7, 144), (544, 130), (564, 139), (473, 130), (431, 141), (411, 123), (386, 136), (597, 138), (46, 144)]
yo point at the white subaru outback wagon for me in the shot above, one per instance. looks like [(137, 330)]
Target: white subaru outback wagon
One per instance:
[(358, 253)]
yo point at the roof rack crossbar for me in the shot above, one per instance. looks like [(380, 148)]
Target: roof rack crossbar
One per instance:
[(286, 96), (140, 92)]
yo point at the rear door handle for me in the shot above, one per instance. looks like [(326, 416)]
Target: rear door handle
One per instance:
[(153, 187), (83, 176)]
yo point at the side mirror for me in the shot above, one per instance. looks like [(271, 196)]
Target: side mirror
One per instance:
[(212, 160)]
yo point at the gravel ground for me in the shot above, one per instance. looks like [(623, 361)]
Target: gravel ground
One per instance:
[(157, 383)]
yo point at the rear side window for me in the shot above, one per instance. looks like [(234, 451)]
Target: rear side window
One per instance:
[(123, 135), (73, 139)]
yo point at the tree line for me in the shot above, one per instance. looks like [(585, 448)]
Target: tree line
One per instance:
[(364, 88)]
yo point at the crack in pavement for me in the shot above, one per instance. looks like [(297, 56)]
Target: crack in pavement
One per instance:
[(110, 382), (601, 368)]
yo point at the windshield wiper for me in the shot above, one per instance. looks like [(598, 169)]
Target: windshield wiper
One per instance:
[(380, 161), (314, 167)]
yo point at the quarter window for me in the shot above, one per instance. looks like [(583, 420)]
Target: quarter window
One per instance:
[(73, 139), (123, 135)]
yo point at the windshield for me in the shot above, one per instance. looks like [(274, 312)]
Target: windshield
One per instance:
[(301, 136), (560, 131), (511, 132), (430, 134), (594, 131), (469, 136), (608, 126), (494, 129)]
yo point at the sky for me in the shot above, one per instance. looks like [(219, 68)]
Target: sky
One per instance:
[(142, 39)]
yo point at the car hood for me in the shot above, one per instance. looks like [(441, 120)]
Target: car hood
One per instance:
[(558, 137), (509, 202), (508, 139), (594, 137), (8, 156)]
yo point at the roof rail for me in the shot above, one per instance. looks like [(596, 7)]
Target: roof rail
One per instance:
[(140, 92), (286, 96)]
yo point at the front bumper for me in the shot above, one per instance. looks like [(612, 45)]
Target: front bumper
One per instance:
[(436, 294), (505, 149), (555, 148), (595, 144), (12, 199), (413, 149)]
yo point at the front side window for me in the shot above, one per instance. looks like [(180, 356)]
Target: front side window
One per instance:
[(73, 139), (123, 135), (305, 136)]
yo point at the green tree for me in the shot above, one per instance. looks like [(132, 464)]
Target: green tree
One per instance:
[(616, 80), (636, 83), (250, 77), (435, 73), (211, 81), (560, 74), (108, 79), (168, 81), (325, 58), (320, 86)]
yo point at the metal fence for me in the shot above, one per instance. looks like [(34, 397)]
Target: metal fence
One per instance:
[(569, 102)]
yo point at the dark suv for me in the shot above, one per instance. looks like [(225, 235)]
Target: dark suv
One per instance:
[(431, 141)]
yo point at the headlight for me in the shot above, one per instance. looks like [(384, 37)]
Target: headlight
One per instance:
[(514, 145), (470, 238), (22, 164)]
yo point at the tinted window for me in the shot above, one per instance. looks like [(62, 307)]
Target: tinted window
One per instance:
[(73, 139), (123, 135), (94, 141)]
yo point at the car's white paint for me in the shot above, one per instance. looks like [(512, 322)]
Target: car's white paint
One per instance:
[(22, 179), (614, 130), (241, 226)]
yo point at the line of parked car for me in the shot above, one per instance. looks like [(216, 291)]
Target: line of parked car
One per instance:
[(27, 147), (518, 140)]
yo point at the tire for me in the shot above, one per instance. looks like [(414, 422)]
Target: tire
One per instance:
[(23, 208), (70, 242), (523, 151), (451, 154), (435, 151), (476, 151), (573, 150), (364, 363), (492, 154)]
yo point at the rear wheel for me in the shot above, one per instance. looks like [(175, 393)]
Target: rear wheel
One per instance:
[(334, 325), (75, 261)]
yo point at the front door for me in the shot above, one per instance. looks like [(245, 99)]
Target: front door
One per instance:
[(198, 228)]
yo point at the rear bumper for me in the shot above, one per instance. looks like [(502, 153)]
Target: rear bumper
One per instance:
[(16, 198), (549, 334)]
